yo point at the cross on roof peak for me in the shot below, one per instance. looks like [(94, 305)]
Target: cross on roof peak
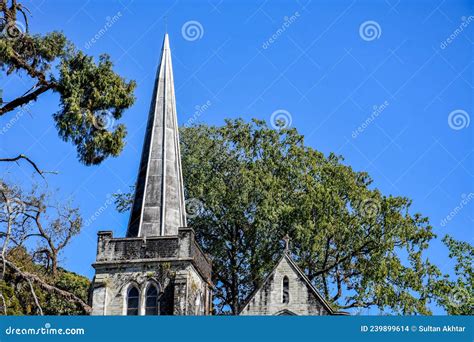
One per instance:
[(286, 239)]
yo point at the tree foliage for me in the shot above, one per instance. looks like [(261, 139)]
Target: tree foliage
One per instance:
[(359, 247), (457, 296), (258, 184), (18, 295), (92, 96)]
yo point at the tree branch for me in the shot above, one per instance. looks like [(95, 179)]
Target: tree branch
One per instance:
[(347, 257), (33, 293), (8, 232), (49, 288), (357, 304), (339, 287), (22, 100), (22, 156), (4, 304)]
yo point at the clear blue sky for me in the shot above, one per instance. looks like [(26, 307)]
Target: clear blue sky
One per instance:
[(322, 69)]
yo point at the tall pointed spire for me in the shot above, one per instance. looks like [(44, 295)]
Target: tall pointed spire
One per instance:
[(158, 208)]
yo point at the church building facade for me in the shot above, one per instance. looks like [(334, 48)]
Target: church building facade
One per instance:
[(159, 268), (286, 291)]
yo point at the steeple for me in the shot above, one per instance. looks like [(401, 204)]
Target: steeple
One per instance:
[(158, 208)]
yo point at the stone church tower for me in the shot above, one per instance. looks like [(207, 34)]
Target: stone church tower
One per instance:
[(158, 268)]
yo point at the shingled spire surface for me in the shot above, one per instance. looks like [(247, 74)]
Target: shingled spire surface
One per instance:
[(158, 208)]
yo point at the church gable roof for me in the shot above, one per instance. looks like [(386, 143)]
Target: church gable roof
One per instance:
[(286, 258), (308, 283)]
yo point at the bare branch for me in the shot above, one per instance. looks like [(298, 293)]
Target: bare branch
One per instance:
[(357, 304), (9, 229), (4, 304), (33, 293), (20, 101), (22, 156), (22, 9)]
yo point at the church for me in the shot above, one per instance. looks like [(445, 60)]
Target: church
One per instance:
[(158, 268)]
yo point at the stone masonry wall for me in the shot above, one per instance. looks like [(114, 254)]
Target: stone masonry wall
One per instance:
[(269, 301), (178, 282), (175, 264)]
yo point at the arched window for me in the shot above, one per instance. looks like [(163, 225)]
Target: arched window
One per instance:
[(286, 290), (133, 298), (151, 300)]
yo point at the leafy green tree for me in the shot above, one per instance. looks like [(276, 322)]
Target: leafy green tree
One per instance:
[(255, 184), (91, 95), (457, 296)]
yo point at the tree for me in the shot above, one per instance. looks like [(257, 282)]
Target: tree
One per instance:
[(36, 232), (257, 184), (53, 233), (92, 96), (457, 296)]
